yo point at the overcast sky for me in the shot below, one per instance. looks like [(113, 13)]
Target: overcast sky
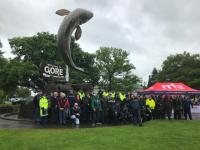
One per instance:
[(149, 30)]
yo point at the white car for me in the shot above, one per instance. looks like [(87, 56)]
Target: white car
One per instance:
[(15, 99)]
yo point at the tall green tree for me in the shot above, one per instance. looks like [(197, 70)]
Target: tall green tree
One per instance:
[(3, 64), (35, 51), (84, 60), (0, 44), (115, 69), (17, 73), (153, 78), (41, 49), (183, 67), (23, 92)]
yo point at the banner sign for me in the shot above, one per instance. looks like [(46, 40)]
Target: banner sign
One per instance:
[(54, 71)]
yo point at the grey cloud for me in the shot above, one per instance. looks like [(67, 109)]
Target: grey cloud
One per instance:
[(181, 18), (149, 30)]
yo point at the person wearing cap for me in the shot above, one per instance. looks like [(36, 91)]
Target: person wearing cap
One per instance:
[(76, 114)]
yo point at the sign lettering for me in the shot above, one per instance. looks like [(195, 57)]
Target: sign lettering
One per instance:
[(54, 71)]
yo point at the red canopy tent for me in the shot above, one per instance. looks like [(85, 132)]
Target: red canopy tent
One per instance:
[(170, 88)]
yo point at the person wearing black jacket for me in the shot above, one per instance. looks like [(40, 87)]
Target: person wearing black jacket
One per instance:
[(54, 107), (167, 106), (36, 111), (177, 105), (135, 106), (85, 108), (71, 98), (159, 107), (187, 104)]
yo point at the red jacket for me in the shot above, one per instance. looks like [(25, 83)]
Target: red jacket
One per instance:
[(63, 103)]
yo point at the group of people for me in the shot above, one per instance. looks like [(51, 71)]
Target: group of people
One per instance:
[(108, 107)]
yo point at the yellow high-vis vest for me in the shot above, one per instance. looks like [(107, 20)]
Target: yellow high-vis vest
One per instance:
[(105, 94), (43, 104), (151, 103), (81, 95), (122, 96), (113, 95)]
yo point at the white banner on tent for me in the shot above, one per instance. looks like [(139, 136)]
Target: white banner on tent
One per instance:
[(195, 109)]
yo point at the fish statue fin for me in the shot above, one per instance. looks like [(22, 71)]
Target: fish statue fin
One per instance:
[(78, 32), (62, 12)]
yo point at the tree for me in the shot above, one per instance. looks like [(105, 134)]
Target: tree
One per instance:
[(3, 63), (127, 83), (41, 49), (115, 68), (0, 44), (23, 92), (2, 59), (35, 51), (181, 68), (84, 60), (153, 78), (2, 96), (15, 73)]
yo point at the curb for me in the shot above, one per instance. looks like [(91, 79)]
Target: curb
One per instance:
[(6, 117)]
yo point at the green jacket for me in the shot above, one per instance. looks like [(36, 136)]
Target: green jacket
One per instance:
[(96, 103)]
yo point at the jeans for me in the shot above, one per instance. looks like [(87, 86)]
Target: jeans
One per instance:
[(187, 111), (62, 117), (96, 116), (36, 115), (137, 117), (75, 120)]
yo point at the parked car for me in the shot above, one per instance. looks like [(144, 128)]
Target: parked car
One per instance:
[(15, 100)]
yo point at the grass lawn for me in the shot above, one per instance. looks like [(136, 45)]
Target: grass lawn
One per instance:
[(154, 135)]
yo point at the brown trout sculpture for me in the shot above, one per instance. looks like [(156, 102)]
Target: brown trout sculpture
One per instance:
[(71, 22)]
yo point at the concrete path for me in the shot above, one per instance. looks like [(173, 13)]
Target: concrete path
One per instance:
[(30, 125), (15, 124)]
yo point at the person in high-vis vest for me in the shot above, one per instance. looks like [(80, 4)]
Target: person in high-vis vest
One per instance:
[(81, 95), (112, 96), (122, 96), (150, 103), (105, 95), (43, 104)]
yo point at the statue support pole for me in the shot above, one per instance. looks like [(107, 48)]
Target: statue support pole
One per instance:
[(67, 73)]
